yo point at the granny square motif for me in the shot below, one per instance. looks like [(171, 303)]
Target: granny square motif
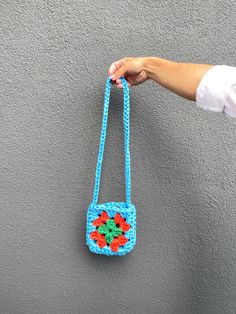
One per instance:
[(111, 227)]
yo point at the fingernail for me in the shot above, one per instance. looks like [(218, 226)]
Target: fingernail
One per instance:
[(112, 69)]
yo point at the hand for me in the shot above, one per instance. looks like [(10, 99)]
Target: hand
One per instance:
[(131, 68)]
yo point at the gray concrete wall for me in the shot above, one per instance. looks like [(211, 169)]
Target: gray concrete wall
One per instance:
[(54, 60)]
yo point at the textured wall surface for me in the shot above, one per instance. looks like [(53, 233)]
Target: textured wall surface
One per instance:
[(54, 59)]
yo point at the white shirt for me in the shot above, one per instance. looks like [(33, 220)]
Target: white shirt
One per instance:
[(217, 90)]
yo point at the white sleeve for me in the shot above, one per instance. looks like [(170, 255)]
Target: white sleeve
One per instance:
[(217, 90)]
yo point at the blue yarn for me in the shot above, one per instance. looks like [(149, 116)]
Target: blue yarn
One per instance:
[(126, 209)]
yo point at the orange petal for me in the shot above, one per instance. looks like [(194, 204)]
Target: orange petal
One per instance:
[(94, 235), (124, 226), (101, 242), (114, 245), (121, 239), (118, 218), (104, 216), (98, 222)]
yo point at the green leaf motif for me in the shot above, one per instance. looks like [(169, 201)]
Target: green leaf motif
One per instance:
[(116, 232), (110, 230), (103, 229), (109, 238), (111, 224)]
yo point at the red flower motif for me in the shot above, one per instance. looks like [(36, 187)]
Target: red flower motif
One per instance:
[(95, 235), (123, 225), (101, 219), (101, 242), (114, 245), (117, 242), (122, 239), (101, 239)]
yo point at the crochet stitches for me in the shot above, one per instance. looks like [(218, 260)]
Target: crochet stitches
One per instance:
[(111, 227), (110, 231)]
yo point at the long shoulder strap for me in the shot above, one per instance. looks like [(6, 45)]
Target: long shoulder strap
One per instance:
[(126, 111)]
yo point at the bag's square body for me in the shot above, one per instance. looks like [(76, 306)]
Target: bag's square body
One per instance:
[(111, 228)]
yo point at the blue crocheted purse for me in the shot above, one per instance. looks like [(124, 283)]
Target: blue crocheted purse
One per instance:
[(111, 227)]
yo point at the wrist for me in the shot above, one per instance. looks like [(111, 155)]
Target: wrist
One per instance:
[(151, 66)]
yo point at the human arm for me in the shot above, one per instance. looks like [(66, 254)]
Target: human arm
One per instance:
[(213, 87), (180, 78)]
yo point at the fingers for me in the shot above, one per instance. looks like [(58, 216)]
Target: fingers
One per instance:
[(118, 73), (118, 69), (121, 86), (118, 82), (116, 66)]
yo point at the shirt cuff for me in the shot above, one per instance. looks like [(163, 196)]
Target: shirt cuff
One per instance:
[(211, 92)]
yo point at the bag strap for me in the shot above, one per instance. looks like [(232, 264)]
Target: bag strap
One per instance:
[(126, 111)]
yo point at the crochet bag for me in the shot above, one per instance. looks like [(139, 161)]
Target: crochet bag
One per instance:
[(111, 227)]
